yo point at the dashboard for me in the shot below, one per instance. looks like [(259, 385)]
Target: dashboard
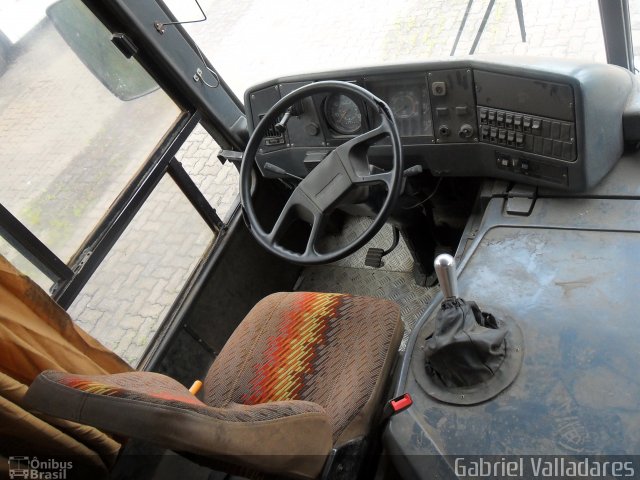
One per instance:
[(552, 123)]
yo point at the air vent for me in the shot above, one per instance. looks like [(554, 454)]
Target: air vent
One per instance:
[(272, 136)]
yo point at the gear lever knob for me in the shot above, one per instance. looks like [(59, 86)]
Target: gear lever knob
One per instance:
[(445, 267)]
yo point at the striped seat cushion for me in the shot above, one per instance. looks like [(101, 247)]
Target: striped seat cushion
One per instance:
[(327, 348)]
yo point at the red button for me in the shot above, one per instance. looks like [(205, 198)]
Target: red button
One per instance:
[(402, 402)]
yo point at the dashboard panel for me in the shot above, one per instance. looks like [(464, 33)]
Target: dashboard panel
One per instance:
[(553, 123)]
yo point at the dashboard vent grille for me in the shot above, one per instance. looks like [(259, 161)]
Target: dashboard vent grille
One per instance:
[(271, 131), (271, 135)]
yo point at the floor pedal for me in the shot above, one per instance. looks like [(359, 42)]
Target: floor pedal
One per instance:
[(374, 257)]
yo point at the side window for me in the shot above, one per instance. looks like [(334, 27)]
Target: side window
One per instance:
[(634, 14), (127, 298), (84, 146), (69, 145), (218, 182)]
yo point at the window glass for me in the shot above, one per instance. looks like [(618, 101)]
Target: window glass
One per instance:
[(69, 145), (219, 183), (126, 299), (634, 13), (24, 266), (300, 36)]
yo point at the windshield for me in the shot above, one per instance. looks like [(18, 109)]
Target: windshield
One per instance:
[(250, 41)]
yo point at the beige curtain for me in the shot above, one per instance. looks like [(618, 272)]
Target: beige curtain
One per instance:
[(36, 335)]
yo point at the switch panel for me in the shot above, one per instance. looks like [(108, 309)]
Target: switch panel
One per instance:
[(534, 134), (453, 105), (532, 168)]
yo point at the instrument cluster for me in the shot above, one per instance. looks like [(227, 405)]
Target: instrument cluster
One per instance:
[(407, 97)]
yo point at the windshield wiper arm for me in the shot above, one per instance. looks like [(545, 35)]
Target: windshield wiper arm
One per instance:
[(461, 28), (483, 24)]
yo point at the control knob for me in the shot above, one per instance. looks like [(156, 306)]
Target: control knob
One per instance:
[(466, 131)]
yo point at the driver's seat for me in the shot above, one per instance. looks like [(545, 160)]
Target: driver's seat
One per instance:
[(302, 373)]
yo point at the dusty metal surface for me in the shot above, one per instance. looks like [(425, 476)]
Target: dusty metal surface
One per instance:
[(571, 292)]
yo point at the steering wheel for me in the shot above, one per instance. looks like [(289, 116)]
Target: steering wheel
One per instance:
[(327, 184)]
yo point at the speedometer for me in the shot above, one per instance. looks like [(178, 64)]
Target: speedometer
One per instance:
[(343, 114)]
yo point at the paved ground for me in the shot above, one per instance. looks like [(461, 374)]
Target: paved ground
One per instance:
[(68, 146)]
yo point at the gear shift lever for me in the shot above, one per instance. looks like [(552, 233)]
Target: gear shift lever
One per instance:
[(445, 267), (468, 345)]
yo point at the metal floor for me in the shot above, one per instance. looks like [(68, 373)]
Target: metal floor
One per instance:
[(393, 281)]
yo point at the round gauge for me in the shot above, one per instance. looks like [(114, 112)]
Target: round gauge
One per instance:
[(343, 114), (404, 104)]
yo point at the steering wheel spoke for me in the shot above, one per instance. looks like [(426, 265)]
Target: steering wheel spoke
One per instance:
[(353, 155), (373, 178), (365, 140), (314, 235), (298, 206)]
